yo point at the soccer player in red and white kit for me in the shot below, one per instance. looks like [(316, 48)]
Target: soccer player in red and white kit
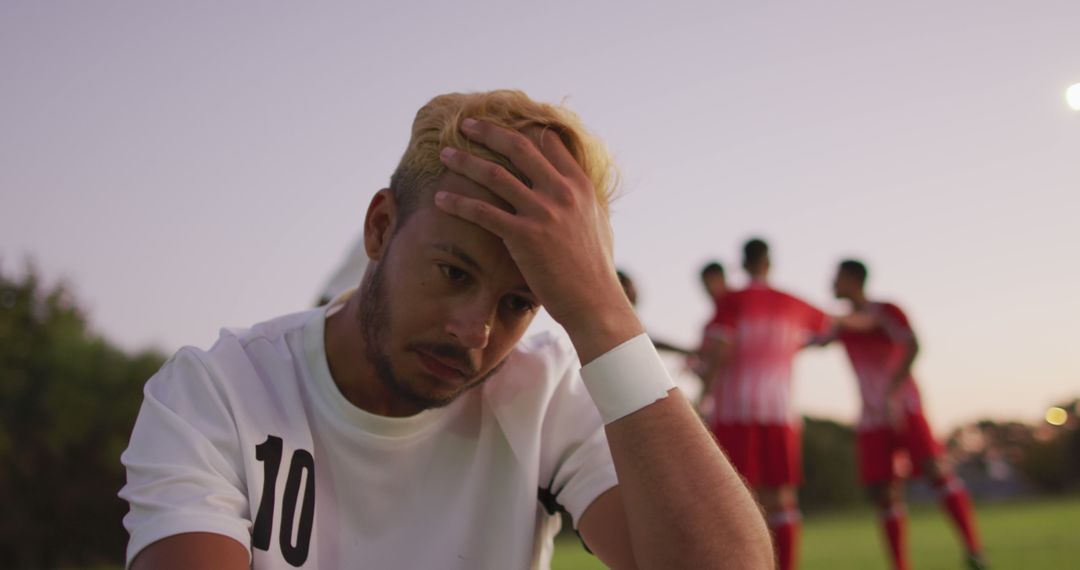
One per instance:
[(751, 346), (892, 420)]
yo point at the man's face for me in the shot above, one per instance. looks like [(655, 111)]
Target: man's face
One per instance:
[(715, 284), (444, 305), (844, 284)]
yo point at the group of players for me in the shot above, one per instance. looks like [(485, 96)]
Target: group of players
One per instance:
[(745, 363)]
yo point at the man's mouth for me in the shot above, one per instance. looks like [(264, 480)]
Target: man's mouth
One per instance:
[(442, 367)]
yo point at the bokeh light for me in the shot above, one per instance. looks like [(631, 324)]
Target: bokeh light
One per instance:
[(1056, 416), (1072, 96)]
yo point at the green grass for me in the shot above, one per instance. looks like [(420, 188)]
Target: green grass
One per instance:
[(1041, 534)]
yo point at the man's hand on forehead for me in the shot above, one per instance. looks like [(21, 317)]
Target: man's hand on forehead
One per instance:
[(558, 234)]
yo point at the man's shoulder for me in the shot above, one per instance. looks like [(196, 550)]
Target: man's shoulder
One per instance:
[(887, 307), (892, 317), (533, 369), (735, 297), (238, 354), (770, 296), (548, 349), (273, 330), (786, 296), (760, 290)]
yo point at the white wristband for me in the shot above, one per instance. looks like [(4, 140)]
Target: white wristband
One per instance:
[(626, 378)]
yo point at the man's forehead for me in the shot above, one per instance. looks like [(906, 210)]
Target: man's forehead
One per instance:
[(476, 247)]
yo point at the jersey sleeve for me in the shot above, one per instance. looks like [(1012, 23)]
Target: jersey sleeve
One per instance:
[(818, 322), (895, 323), (184, 470), (722, 325), (575, 462)]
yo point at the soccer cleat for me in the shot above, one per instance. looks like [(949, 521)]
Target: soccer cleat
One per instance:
[(977, 562)]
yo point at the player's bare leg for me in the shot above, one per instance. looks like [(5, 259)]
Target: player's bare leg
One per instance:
[(889, 497), (781, 506), (957, 504)]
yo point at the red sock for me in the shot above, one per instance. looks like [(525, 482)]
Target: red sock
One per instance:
[(894, 522), (956, 502), (785, 527)]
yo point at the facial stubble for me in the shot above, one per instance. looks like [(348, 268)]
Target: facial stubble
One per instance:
[(374, 321)]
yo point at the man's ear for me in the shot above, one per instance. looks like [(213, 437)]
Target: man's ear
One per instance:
[(379, 224)]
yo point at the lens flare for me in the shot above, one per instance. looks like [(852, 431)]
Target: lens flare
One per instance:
[(1056, 416), (1072, 96)]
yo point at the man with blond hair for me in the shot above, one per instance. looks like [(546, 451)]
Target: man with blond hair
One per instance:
[(408, 424)]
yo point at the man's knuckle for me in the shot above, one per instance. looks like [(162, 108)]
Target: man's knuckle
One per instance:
[(519, 144), (477, 208), (493, 172), (500, 177), (547, 214), (565, 195)]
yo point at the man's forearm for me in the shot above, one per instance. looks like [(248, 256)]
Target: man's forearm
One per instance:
[(715, 357), (903, 371), (664, 345), (686, 507)]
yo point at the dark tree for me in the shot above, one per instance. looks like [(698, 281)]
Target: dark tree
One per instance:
[(831, 479), (68, 400)]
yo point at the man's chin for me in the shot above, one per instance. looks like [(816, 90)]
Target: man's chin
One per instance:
[(428, 393)]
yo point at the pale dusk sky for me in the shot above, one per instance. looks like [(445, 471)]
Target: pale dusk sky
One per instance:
[(187, 166)]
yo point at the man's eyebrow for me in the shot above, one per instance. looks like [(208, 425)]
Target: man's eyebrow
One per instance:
[(460, 254), (468, 260)]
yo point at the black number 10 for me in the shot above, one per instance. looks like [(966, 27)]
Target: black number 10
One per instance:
[(269, 453)]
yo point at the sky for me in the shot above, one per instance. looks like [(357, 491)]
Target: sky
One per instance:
[(185, 166)]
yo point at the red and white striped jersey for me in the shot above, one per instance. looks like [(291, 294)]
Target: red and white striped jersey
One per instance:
[(766, 328), (875, 356)]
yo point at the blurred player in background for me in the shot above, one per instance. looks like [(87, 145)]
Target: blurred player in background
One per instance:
[(714, 281), (752, 344), (892, 421), (680, 372)]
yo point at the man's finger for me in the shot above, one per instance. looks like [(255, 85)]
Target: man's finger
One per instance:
[(516, 146), (554, 150), (486, 215), (489, 175)]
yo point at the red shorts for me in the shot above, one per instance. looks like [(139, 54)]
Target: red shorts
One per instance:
[(888, 453), (765, 455)]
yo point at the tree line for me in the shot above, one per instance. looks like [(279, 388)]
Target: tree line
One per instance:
[(69, 397)]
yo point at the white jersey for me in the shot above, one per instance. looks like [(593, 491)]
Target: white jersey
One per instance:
[(253, 440)]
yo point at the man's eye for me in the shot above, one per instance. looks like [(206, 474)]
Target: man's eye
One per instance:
[(519, 304), (453, 273)]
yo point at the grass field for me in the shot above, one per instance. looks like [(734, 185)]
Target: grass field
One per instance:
[(1042, 534)]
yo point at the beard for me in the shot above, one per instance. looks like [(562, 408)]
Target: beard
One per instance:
[(374, 321)]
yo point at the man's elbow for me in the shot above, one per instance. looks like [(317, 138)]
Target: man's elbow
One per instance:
[(754, 551)]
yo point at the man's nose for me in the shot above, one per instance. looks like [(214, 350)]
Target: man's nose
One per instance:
[(471, 326)]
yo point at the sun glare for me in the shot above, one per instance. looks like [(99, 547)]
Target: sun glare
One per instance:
[(1072, 95), (1056, 416)]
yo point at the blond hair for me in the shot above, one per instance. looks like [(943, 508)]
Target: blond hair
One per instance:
[(437, 125)]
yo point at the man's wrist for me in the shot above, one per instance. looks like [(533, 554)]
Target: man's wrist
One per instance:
[(626, 378), (597, 331)]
